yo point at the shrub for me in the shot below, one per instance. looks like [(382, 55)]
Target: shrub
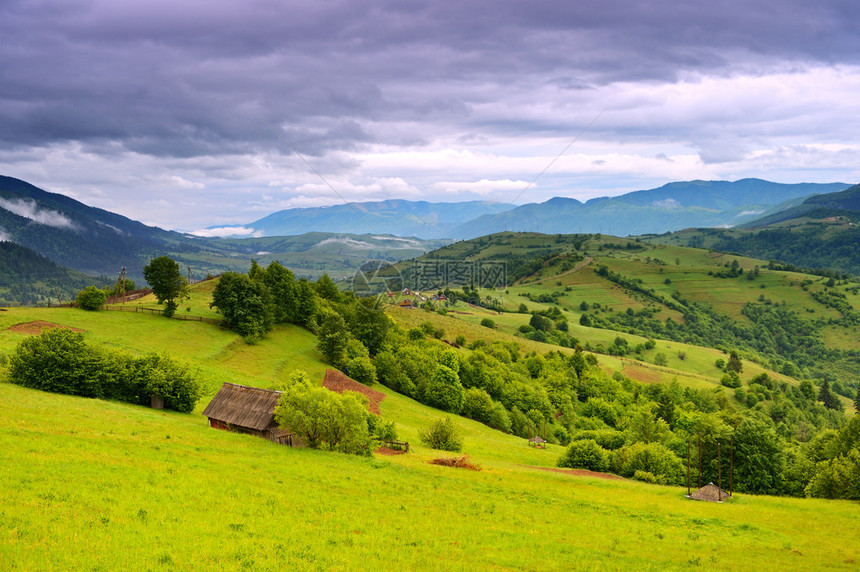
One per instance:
[(660, 359), (90, 298), (460, 340), (731, 379), (442, 435), (61, 361), (586, 454), (653, 458), (488, 323)]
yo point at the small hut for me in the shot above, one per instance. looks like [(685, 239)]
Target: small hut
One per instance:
[(248, 410), (537, 441), (710, 493)]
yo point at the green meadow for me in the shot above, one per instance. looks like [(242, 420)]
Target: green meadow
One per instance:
[(89, 484)]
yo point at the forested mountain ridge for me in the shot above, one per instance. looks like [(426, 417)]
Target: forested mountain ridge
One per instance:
[(819, 234), (672, 207), (29, 278)]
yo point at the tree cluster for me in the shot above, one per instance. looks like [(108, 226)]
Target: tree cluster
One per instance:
[(61, 361)]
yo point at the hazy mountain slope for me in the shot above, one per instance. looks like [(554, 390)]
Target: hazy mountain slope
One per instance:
[(400, 217), (96, 241), (845, 203), (29, 278), (671, 207)]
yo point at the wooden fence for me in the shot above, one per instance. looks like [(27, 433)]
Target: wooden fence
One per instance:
[(177, 316), (396, 445)]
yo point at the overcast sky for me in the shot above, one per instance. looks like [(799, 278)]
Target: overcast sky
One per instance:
[(189, 114)]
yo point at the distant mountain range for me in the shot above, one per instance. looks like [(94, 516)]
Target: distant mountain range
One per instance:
[(399, 217), (97, 242), (668, 208)]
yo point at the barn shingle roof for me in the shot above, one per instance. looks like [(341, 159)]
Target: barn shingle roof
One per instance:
[(243, 406)]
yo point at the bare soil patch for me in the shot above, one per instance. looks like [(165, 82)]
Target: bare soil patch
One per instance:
[(579, 473), (387, 451), (338, 382), (36, 328), (463, 462), (642, 374)]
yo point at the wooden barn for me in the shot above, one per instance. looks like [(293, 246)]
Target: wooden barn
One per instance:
[(248, 410)]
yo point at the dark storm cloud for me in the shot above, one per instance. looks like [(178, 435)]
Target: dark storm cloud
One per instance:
[(101, 96), (196, 78)]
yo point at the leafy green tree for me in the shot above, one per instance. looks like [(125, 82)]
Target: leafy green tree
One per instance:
[(322, 417), (827, 397), (327, 289), (282, 287), (90, 298), (361, 369), (646, 427), (444, 390), (61, 361), (585, 454), (244, 303), (758, 459), (734, 364), (660, 359), (541, 323), (167, 282), (333, 340), (159, 374), (369, 324), (307, 305), (441, 435), (488, 323)]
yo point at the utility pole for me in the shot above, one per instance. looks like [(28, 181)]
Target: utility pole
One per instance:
[(121, 285)]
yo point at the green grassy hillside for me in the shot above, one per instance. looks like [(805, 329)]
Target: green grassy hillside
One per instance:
[(633, 289), (93, 484)]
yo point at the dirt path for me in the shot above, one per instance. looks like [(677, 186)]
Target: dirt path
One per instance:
[(579, 472)]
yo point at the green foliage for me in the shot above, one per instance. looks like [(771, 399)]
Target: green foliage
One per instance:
[(444, 390), (734, 363), (488, 323), (61, 361), (758, 459), (90, 298), (661, 359), (322, 417), (827, 397), (442, 435), (167, 282), (333, 340), (244, 303), (362, 370), (731, 379), (653, 458), (585, 454)]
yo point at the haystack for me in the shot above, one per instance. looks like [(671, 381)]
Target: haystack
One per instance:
[(710, 493)]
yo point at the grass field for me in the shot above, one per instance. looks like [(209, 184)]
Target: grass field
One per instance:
[(89, 484)]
